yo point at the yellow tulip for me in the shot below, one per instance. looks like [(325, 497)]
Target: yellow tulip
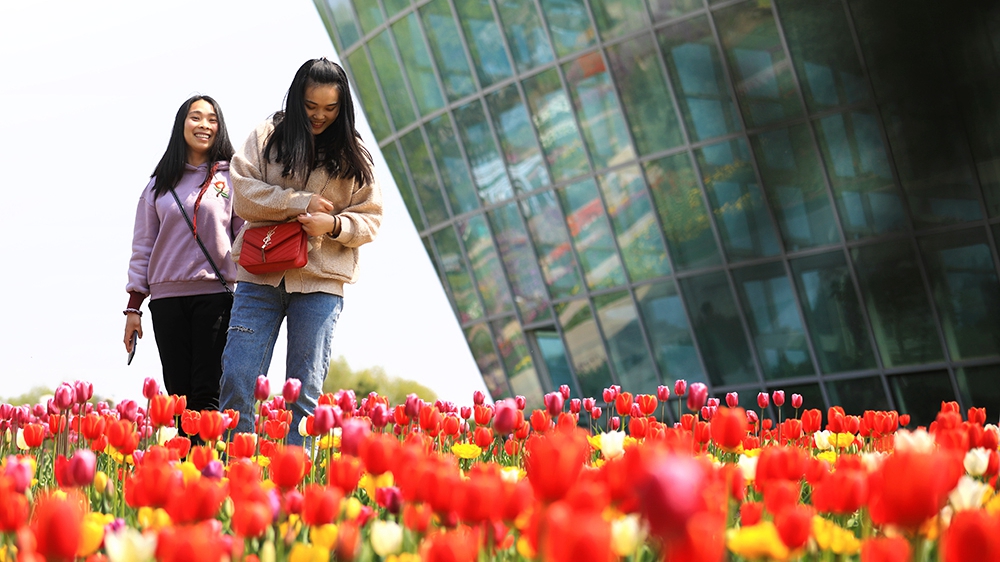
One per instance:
[(757, 541), (324, 536), (309, 553), (836, 539), (92, 533)]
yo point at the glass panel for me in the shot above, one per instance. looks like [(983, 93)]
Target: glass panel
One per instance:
[(978, 387), (669, 334), (488, 170), (370, 100), (517, 138), (451, 165), (557, 129), (867, 199), (740, 213), (442, 34), (460, 283), (682, 212), (626, 345), (486, 265), (484, 40), (822, 48), (635, 225), (395, 163), (644, 95), (520, 368), (525, 35), (393, 7), (795, 188), (698, 78), (520, 263), (569, 24), (585, 346), (388, 69), (555, 255), (667, 9), (553, 353), (597, 110), (617, 17), (425, 181), (429, 248), (762, 75), (921, 395), (717, 326), (897, 304), (591, 234), (812, 397), (345, 22), (773, 317), (481, 344), (857, 395), (932, 159), (833, 313), (964, 281), (369, 14), (417, 63)]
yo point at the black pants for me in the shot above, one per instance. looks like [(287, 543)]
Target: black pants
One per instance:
[(191, 334)]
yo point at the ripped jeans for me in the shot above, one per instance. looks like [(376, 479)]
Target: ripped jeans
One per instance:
[(253, 330)]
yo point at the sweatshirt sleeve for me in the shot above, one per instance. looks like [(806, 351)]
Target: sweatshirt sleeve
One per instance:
[(360, 221), (253, 198), (147, 225)]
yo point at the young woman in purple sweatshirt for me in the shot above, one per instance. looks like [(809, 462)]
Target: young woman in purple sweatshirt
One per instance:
[(190, 305)]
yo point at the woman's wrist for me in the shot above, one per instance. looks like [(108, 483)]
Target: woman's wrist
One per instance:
[(335, 232)]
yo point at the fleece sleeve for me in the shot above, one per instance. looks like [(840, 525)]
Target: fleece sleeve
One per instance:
[(147, 225), (254, 199), (360, 221)]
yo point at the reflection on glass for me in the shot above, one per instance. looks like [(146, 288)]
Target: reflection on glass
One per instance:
[(635, 224), (921, 395), (389, 74), (370, 99), (626, 346), (591, 234), (740, 213), (979, 389), (393, 7), (773, 317), (858, 395), (485, 265), (682, 212), (618, 17), (424, 180), (369, 14), (517, 139), (667, 9), (552, 245), (585, 346), (569, 24), (488, 170), (931, 156), (717, 326), (451, 165), (520, 264), (697, 75), (897, 304), (525, 35), (481, 344), (644, 95), (557, 130), (553, 353), (516, 357), (795, 189), (667, 326), (819, 38), (417, 63), (485, 43), (452, 267), (964, 282), (429, 248), (833, 313), (395, 163), (447, 48), (760, 69), (345, 22), (867, 199)]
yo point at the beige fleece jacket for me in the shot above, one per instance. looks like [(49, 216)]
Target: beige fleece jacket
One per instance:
[(262, 197)]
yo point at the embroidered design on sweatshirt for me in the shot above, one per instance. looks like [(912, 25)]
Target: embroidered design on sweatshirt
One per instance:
[(221, 189)]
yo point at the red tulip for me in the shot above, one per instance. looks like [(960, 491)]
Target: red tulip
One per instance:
[(554, 461), (812, 420), (198, 500), (377, 452), (345, 473), (575, 536), (321, 504), (291, 390), (670, 492), (972, 536), (778, 397), (892, 487), (729, 427), (623, 403), (886, 549), (647, 403), (34, 435), (211, 425), (288, 467), (794, 525), (57, 525), (504, 416), (763, 400)]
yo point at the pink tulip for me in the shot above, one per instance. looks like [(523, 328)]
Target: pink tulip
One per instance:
[(379, 415), (732, 399), (127, 409), (504, 416), (150, 388), (574, 406), (65, 397), (796, 401), (325, 418), (670, 493), (662, 393), (82, 467), (352, 432), (290, 392), (348, 402), (478, 398), (697, 397), (596, 412), (413, 406), (763, 400), (554, 403), (521, 402), (589, 403), (84, 391), (778, 397), (262, 388), (465, 412), (609, 395), (564, 390), (616, 423), (680, 386)]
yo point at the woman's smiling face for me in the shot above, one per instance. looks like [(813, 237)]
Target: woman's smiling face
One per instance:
[(322, 106), (200, 128)]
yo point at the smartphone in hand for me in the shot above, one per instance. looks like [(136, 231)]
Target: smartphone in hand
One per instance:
[(135, 341)]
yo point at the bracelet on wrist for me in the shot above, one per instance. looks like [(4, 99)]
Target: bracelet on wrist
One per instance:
[(128, 311)]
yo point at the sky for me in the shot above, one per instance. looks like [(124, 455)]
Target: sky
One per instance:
[(89, 92)]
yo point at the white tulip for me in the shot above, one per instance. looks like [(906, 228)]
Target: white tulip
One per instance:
[(969, 494), (918, 441), (129, 545), (976, 461), (612, 444), (627, 534), (386, 538)]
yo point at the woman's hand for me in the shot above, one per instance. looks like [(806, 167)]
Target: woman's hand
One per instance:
[(319, 205), (317, 225), (133, 323)]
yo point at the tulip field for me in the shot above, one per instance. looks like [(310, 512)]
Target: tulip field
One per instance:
[(582, 479)]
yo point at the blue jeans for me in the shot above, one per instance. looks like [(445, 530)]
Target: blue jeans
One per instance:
[(253, 329)]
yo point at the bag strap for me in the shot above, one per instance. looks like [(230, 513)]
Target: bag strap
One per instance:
[(204, 250)]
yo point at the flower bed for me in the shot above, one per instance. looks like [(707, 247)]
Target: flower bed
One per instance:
[(436, 482)]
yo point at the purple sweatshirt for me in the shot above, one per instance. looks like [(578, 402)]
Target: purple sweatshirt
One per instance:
[(166, 260)]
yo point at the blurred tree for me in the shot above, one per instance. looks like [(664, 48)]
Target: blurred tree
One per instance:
[(373, 379)]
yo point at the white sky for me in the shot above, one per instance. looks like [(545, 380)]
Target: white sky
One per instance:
[(89, 91)]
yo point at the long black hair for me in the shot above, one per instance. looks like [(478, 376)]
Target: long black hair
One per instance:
[(337, 149), (171, 167)]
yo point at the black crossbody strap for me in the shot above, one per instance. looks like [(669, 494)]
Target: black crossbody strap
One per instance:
[(200, 244)]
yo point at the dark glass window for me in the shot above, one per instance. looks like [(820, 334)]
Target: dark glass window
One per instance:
[(485, 41), (371, 100), (569, 24), (521, 372), (585, 347), (978, 388), (417, 63), (597, 110), (920, 395), (553, 353), (488, 170), (552, 245), (717, 326), (345, 22), (557, 130), (858, 395), (626, 346), (520, 263), (618, 17), (446, 45), (679, 203), (669, 334), (481, 343), (517, 139), (525, 34), (591, 234), (486, 265), (426, 183), (460, 284), (395, 163), (390, 75), (451, 165), (634, 222)]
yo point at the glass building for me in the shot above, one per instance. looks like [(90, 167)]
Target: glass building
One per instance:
[(756, 194)]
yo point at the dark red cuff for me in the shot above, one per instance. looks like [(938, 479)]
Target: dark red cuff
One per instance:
[(135, 299)]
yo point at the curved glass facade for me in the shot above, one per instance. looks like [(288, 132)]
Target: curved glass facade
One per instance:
[(790, 194)]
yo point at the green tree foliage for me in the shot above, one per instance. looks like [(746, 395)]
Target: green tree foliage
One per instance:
[(373, 379)]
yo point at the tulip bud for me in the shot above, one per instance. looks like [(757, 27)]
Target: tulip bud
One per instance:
[(796, 401), (84, 391), (680, 386), (379, 415), (413, 406), (150, 388), (616, 423), (708, 412), (596, 412), (574, 406), (65, 397), (752, 418), (352, 432), (662, 393), (635, 411), (554, 403), (290, 392), (778, 397), (589, 403), (504, 416), (732, 399), (712, 402), (128, 409), (610, 394), (465, 412), (478, 398), (262, 388), (564, 390), (521, 402), (697, 397), (763, 400)]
